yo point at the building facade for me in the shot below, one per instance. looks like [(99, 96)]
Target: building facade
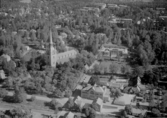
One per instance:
[(109, 51), (94, 92)]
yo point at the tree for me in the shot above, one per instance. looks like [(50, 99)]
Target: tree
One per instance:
[(156, 112), (89, 112), (95, 106), (58, 93), (113, 68), (125, 69), (70, 103), (3, 93), (53, 104), (19, 112), (128, 109), (94, 80), (19, 95), (115, 92), (96, 68), (68, 93), (138, 71)]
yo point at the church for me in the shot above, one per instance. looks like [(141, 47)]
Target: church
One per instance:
[(59, 58)]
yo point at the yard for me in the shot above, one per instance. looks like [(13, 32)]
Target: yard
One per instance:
[(116, 65)]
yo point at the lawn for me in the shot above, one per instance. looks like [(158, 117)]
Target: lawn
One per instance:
[(36, 105), (106, 64)]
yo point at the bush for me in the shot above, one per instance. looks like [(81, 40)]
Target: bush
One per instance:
[(68, 93), (3, 93), (32, 98), (53, 104)]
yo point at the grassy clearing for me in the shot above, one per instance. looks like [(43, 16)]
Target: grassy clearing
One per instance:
[(106, 64)]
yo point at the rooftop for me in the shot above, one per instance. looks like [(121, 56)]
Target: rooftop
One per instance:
[(95, 88), (99, 101), (85, 78)]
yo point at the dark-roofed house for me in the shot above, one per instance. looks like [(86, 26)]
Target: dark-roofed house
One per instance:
[(93, 92)]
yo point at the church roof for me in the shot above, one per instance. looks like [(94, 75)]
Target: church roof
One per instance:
[(65, 56)]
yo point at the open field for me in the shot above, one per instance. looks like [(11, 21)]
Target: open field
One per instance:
[(106, 64)]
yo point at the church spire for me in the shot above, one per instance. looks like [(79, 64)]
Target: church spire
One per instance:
[(50, 36)]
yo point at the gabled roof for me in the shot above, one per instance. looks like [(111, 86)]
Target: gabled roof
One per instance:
[(87, 88), (85, 78), (99, 101), (98, 89), (94, 88), (70, 115)]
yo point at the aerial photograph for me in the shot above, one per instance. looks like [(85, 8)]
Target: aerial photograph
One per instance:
[(83, 58)]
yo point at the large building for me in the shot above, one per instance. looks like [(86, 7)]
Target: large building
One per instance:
[(110, 51), (59, 58), (95, 92)]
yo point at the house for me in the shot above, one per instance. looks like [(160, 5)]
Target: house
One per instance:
[(94, 92), (110, 51), (123, 100)]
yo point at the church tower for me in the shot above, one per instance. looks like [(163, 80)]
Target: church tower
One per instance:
[(52, 51)]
